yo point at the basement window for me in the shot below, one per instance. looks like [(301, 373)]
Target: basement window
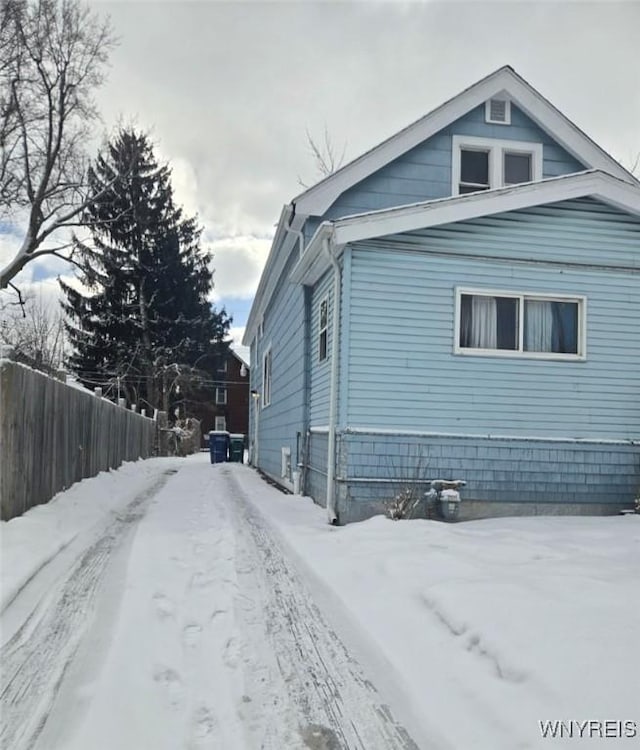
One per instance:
[(520, 324)]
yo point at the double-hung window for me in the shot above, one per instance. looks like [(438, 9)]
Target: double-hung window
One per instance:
[(266, 378), (520, 324), (323, 325), (221, 395), (486, 163)]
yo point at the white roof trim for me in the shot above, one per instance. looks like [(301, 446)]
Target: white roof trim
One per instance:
[(390, 221), (503, 82), (278, 254)]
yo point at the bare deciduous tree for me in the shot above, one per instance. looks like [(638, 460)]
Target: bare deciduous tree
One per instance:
[(53, 55), (325, 156), (36, 332)]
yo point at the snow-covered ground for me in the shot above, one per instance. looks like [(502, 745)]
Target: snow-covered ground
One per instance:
[(175, 604)]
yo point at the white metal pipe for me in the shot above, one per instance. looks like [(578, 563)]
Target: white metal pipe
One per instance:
[(333, 388)]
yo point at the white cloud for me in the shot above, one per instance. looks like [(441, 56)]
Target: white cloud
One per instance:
[(9, 246), (238, 263)]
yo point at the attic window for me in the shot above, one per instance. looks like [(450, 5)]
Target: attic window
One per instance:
[(498, 111), (517, 168), (489, 163), (474, 170)]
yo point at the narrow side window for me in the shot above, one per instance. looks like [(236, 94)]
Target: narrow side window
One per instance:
[(322, 340), (266, 378)]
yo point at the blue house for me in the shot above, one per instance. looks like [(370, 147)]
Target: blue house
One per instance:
[(461, 301)]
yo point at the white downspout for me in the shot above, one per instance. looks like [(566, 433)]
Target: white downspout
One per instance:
[(333, 386)]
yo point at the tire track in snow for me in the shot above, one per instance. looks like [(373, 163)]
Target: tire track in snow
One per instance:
[(338, 708), (35, 660)]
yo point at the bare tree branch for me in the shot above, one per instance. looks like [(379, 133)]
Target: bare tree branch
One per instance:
[(20, 298), (36, 333), (53, 55), (325, 157)]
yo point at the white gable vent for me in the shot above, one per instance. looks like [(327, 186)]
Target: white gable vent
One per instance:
[(498, 111)]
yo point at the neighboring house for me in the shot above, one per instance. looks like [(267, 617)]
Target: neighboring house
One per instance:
[(461, 301), (226, 406)]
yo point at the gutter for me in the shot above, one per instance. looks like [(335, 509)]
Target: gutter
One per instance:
[(333, 385)]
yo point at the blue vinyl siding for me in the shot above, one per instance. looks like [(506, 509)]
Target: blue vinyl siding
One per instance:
[(280, 422), (424, 172), (403, 302), (320, 372), (504, 476)]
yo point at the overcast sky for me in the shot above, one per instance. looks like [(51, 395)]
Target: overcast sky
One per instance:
[(228, 90)]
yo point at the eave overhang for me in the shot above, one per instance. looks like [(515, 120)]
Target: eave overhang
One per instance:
[(503, 82), (290, 222), (591, 183)]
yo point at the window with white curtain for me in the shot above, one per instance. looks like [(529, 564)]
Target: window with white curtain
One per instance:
[(511, 323)]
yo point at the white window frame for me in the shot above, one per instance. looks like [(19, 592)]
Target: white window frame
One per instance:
[(223, 367), (221, 395), (266, 377), (519, 353), (220, 424), (325, 330), (507, 111), (496, 148)]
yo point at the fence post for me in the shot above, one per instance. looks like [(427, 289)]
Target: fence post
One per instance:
[(162, 425)]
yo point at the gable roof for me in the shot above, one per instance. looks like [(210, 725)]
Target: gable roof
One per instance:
[(591, 183), (316, 200), (502, 82)]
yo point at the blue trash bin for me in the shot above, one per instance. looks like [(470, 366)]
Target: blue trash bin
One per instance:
[(218, 446)]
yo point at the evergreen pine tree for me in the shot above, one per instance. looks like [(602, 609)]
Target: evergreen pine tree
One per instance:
[(143, 320)]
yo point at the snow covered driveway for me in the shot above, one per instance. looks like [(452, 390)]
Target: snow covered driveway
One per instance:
[(174, 604), (181, 623)]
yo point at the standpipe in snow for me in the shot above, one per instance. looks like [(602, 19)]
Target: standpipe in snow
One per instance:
[(333, 388)]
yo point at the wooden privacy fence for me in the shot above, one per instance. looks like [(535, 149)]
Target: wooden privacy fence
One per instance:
[(52, 435)]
